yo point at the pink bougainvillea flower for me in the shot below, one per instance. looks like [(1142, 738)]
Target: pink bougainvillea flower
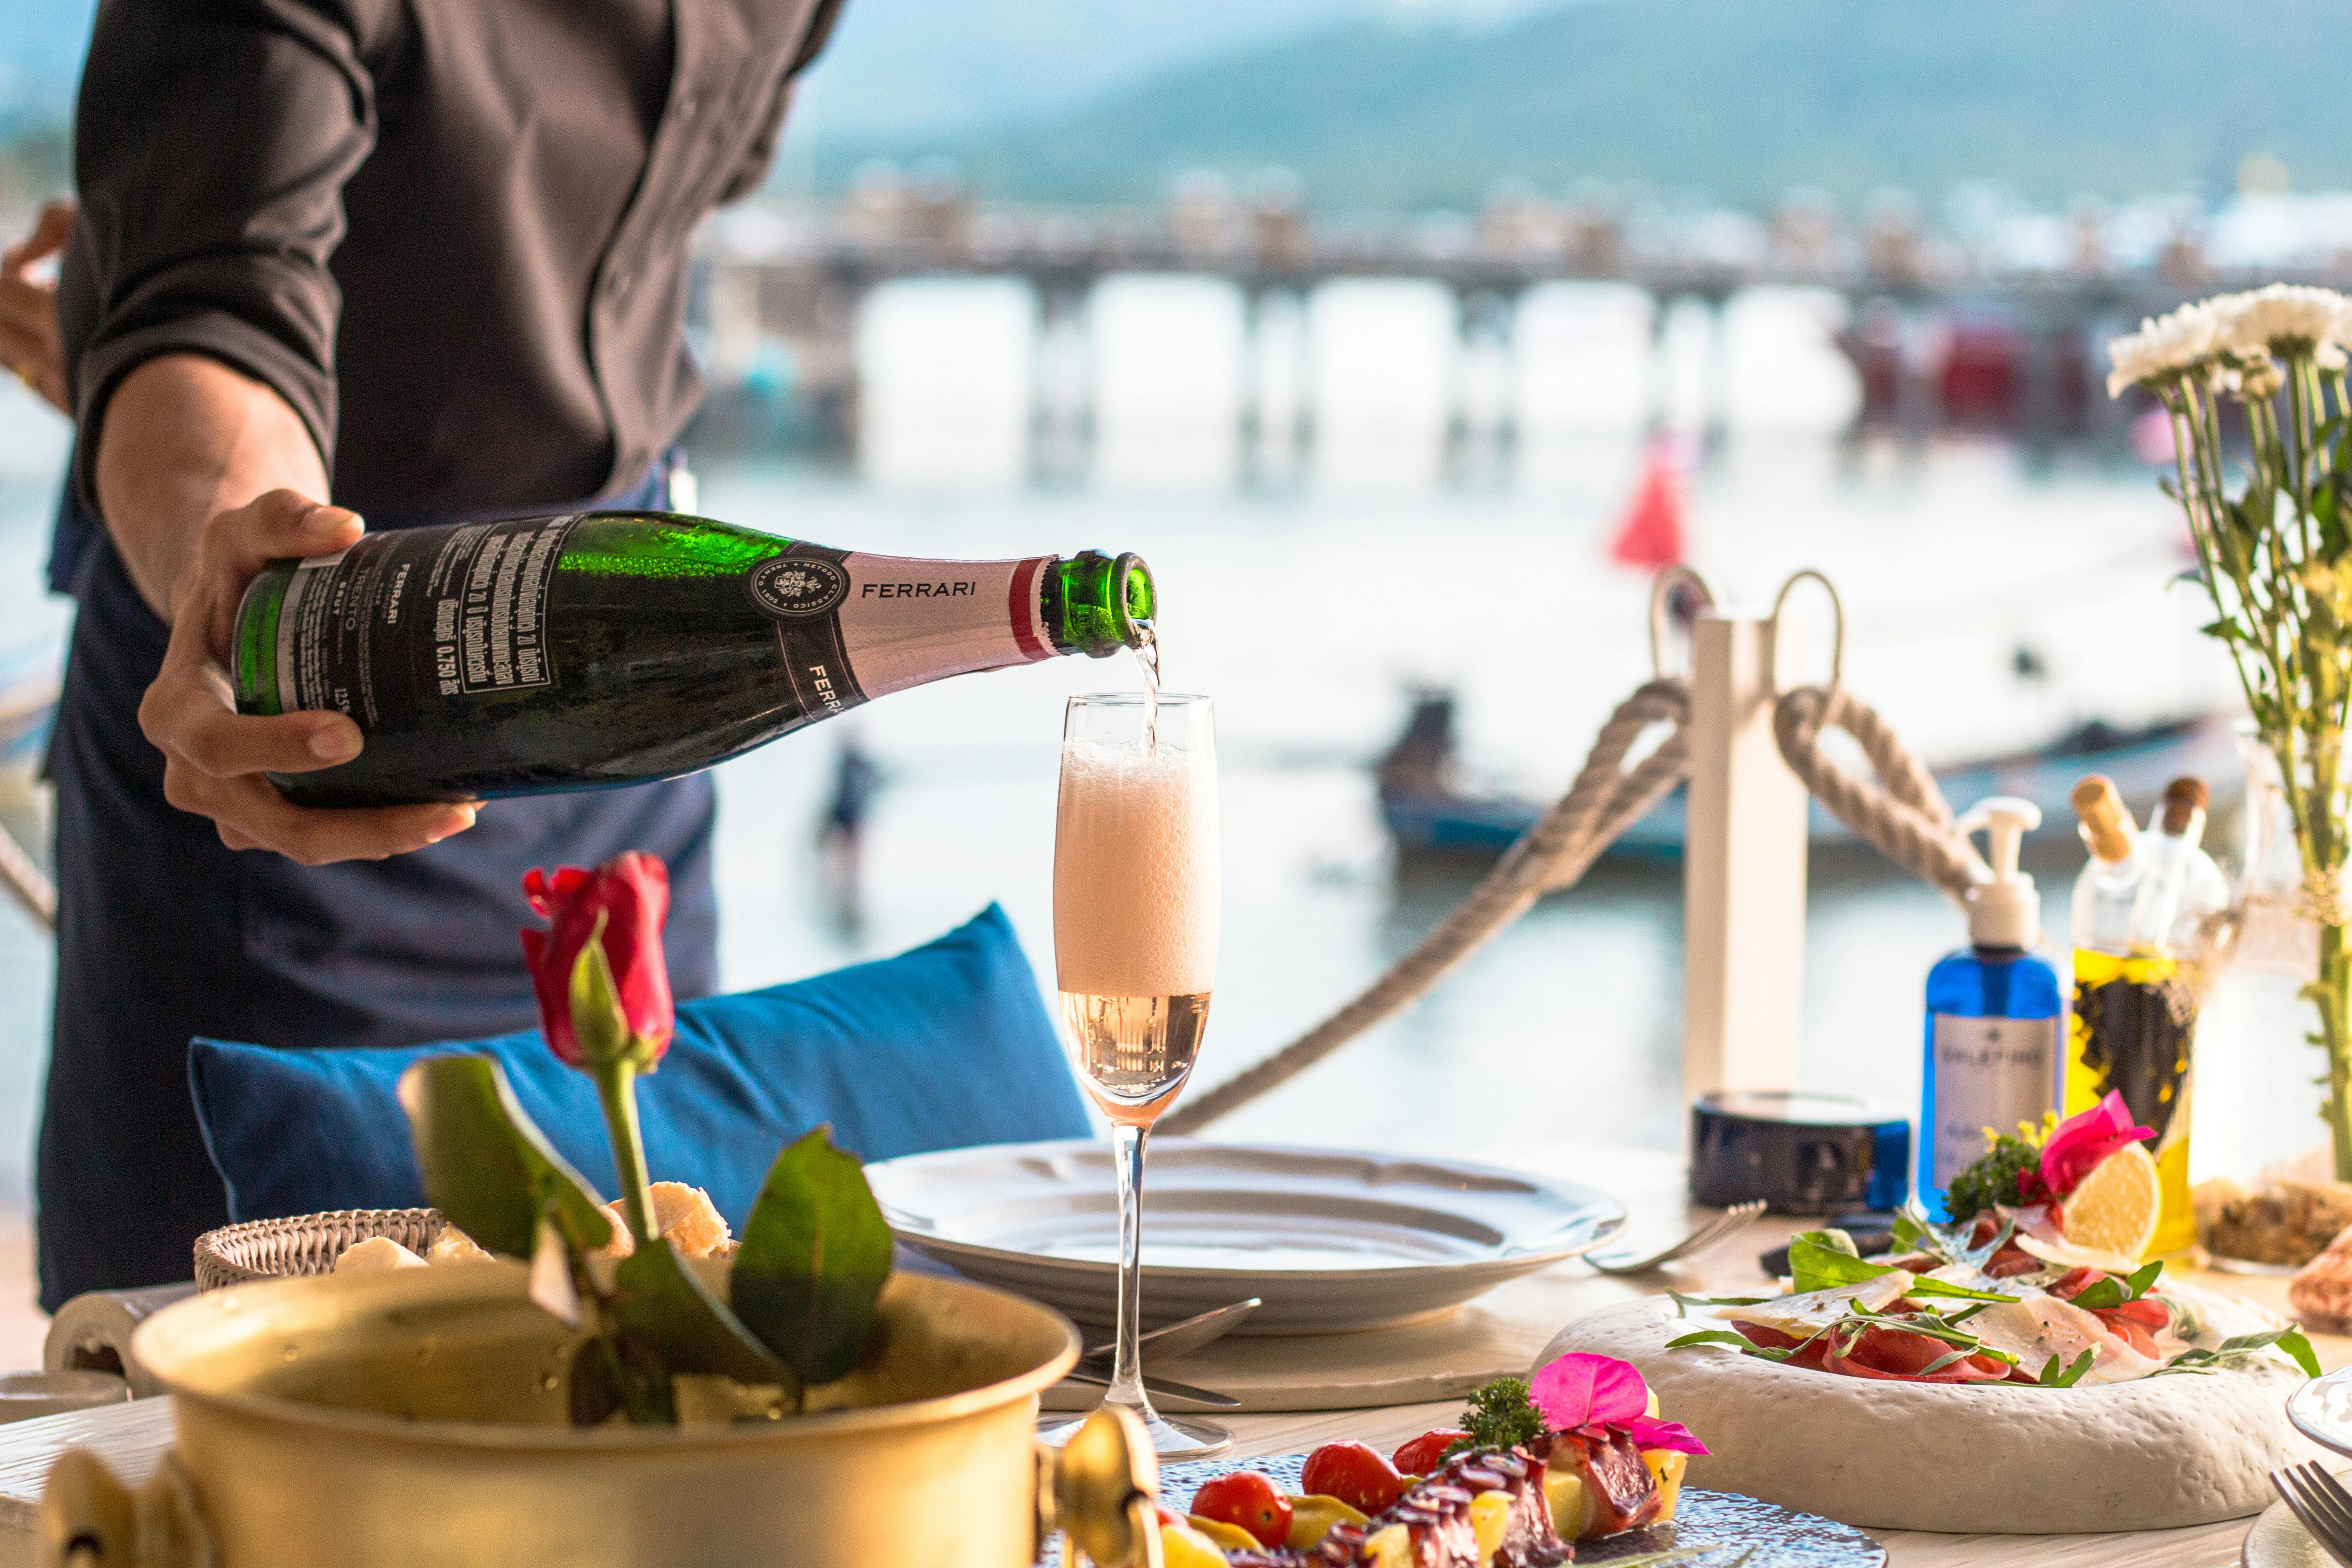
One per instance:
[(2080, 1142), (1591, 1393)]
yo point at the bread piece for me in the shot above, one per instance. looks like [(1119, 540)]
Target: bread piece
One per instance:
[(376, 1255), (454, 1246), (687, 1218), (2280, 1220), (2321, 1293)]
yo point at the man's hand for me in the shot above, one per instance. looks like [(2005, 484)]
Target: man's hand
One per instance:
[(30, 345), (213, 757)]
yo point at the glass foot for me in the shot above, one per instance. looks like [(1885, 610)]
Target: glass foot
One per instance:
[(1172, 1436)]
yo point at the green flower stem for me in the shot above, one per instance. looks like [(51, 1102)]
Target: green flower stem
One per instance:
[(2332, 994), (616, 1086), (2280, 602)]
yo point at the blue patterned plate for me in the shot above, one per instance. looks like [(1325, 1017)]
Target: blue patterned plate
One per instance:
[(1775, 1537)]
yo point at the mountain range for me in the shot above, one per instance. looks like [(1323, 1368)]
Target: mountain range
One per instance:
[(1742, 98)]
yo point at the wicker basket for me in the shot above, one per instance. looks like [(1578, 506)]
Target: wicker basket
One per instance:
[(304, 1244)]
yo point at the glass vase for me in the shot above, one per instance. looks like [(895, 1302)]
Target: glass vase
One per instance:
[(2262, 1164)]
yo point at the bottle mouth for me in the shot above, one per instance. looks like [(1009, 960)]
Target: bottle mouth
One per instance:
[(1133, 602)]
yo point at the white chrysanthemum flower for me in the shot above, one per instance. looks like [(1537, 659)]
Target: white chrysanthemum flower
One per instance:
[(2281, 313), (2165, 346)]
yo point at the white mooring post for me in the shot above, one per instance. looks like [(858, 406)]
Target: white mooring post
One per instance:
[(1743, 868)]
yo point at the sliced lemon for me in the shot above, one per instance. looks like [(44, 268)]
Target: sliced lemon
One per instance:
[(2114, 1209)]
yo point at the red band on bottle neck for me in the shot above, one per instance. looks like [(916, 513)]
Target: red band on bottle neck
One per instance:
[(1027, 633)]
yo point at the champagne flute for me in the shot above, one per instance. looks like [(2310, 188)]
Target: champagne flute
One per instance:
[(1136, 888)]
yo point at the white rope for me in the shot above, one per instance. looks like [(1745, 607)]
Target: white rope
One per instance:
[(1606, 799), (1901, 813)]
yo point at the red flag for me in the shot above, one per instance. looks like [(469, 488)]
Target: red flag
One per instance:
[(1651, 536)]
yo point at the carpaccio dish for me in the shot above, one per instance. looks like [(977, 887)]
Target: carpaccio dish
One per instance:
[(1577, 1452), (2006, 1295)]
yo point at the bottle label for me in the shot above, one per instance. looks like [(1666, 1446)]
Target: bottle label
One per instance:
[(484, 586), (1990, 1073), (883, 622)]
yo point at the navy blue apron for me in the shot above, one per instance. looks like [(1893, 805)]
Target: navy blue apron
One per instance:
[(165, 934)]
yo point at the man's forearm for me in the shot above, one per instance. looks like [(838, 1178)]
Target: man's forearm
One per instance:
[(184, 438)]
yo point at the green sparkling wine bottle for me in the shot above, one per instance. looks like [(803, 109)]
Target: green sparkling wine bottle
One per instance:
[(598, 648)]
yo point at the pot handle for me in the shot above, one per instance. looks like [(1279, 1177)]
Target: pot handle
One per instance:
[(1100, 1491), (90, 1520)]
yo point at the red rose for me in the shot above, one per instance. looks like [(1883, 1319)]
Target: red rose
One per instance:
[(622, 905)]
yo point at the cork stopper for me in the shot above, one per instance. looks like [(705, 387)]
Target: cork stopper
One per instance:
[(2106, 825), (2184, 797)]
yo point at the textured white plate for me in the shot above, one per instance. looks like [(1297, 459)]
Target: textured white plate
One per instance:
[(1328, 1238)]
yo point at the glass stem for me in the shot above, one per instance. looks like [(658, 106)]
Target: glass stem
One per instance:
[(1127, 1368)]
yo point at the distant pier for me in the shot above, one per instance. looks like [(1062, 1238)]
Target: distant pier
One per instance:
[(1939, 341)]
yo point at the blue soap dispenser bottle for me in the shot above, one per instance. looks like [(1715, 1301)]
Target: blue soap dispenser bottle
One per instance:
[(1995, 1010)]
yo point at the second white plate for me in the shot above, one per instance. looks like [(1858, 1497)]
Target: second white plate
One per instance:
[(1328, 1238)]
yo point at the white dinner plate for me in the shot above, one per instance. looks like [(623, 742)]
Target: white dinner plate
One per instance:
[(1329, 1239), (2322, 1410)]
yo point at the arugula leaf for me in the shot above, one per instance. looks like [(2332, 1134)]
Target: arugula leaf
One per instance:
[(1819, 1263), (2113, 1292), (1948, 1359), (1923, 1286), (1682, 1302), (1914, 1232), (2054, 1377), (1936, 1329), (1725, 1337), (2237, 1351), (1825, 1259)]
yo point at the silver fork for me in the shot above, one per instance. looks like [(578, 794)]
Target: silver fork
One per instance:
[(1734, 1218), (2322, 1505)]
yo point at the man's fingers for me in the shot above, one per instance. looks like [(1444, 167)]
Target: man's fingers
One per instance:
[(273, 526), (253, 811), (228, 745), (50, 232)]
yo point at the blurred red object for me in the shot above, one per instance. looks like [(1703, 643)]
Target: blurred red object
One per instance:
[(1651, 536)]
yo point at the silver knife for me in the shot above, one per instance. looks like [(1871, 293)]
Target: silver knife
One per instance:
[(1158, 1388)]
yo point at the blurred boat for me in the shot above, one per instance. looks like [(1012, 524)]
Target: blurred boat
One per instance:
[(1427, 813)]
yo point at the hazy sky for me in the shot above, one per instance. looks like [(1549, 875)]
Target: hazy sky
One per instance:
[(895, 65)]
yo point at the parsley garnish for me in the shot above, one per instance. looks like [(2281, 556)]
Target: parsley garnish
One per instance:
[(1499, 1416), (1992, 1180)]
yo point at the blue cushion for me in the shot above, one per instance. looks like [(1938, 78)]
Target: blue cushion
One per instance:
[(943, 1047)]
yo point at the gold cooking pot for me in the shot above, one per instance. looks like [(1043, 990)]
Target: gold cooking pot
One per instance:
[(418, 1418)]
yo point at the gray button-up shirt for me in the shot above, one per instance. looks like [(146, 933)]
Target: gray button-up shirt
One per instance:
[(452, 234)]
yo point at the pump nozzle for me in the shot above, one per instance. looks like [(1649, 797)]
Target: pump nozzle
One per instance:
[(2004, 910)]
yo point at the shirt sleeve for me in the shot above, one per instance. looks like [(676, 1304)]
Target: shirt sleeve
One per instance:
[(752, 169), (212, 142)]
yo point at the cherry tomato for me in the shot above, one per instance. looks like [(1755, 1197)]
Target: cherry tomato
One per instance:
[(1355, 1474), (1248, 1499), (1425, 1453)]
